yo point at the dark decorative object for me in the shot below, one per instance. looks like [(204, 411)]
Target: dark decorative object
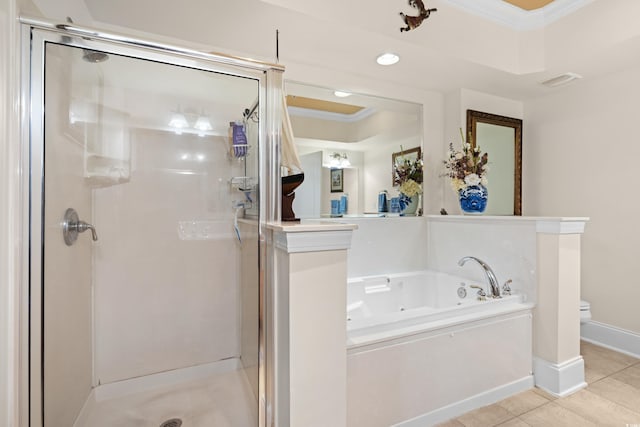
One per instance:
[(443, 211), (415, 21), (337, 180), (289, 185)]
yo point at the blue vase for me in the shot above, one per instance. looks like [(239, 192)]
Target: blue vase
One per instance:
[(408, 205), (473, 199)]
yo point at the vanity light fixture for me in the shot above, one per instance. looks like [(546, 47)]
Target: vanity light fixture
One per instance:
[(339, 160), (202, 125), (387, 59), (341, 94), (178, 122)]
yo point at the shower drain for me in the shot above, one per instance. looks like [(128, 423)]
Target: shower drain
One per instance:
[(173, 422)]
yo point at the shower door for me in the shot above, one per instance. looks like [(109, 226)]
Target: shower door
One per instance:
[(144, 276)]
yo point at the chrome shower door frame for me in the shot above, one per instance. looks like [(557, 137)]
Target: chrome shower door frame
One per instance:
[(35, 35)]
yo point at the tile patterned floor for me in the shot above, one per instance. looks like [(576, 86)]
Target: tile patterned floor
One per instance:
[(611, 399)]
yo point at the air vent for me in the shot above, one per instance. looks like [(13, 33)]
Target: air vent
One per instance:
[(562, 79)]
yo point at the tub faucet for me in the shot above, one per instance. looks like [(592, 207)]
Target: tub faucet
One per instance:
[(491, 276)]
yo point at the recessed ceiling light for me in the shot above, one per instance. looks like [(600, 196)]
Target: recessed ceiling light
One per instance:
[(341, 94), (387, 59)]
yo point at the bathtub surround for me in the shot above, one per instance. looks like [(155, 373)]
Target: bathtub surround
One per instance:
[(410, 335), (387, 245), (542, 257), (310, 301)]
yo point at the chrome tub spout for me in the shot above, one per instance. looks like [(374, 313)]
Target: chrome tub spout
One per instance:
[(491, 276)]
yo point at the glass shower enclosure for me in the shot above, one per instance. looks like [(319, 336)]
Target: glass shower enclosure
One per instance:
[(147, 206)]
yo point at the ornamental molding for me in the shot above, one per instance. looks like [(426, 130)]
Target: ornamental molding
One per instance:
[(513, 17)]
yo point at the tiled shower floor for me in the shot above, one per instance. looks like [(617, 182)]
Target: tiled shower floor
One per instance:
[(222, 400)]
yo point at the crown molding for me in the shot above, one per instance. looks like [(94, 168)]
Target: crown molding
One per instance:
[(511, 16)]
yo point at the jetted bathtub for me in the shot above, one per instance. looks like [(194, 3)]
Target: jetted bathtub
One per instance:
[(422, 348)]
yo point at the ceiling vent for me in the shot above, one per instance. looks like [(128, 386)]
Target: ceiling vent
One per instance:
[(562, 79)]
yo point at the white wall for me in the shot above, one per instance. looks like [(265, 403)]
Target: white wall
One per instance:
[(10, 221), (580, 147), (165, 299)]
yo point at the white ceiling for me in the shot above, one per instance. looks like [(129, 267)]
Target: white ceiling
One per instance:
[(454, 48)]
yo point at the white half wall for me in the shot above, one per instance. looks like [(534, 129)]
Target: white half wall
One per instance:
[(387, 245)]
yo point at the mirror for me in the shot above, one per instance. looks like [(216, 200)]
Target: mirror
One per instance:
[(501, 138), (357, 134)]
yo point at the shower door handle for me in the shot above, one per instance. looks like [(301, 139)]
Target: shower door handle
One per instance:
[(72, 225)]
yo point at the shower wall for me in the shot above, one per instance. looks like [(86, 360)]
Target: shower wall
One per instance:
[(167, 265)]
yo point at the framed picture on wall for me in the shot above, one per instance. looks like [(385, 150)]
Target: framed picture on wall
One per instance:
[(337, 180), (397, 159)]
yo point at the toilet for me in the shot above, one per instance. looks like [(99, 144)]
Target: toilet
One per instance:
[(585, 311)]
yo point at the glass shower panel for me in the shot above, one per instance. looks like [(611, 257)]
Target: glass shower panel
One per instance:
[(157, 319)]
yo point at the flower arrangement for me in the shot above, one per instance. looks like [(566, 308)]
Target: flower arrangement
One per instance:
[(466, 167), (408, 174)]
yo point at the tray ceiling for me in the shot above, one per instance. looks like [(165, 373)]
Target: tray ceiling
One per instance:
[(529, 4)]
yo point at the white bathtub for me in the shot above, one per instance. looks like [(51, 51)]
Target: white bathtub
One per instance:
[(380, 307), (420, 354)]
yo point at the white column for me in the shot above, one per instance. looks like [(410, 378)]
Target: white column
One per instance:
[(558, 365), (311, 270)]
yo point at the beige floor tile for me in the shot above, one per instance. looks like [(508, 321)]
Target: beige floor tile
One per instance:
[(451, 423), (543, 393), (523, 402), (516, 422), (554, 415), (600, 362), (596, 354), (491, 415), (630, 375), (599, 410), (617, 391)]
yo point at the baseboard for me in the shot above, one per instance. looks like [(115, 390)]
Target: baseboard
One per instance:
[(608, 336), (478, 401), (559, 379)]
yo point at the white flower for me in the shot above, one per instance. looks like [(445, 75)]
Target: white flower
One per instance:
[(472, 179), (458, 155), (484, 181), (457, 184)]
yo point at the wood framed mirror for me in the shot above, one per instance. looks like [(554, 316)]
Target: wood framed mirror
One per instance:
[(501, 138)]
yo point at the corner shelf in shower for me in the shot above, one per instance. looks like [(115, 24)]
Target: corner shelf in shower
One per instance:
[(104, 132), (102, 171), (242, 183)]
